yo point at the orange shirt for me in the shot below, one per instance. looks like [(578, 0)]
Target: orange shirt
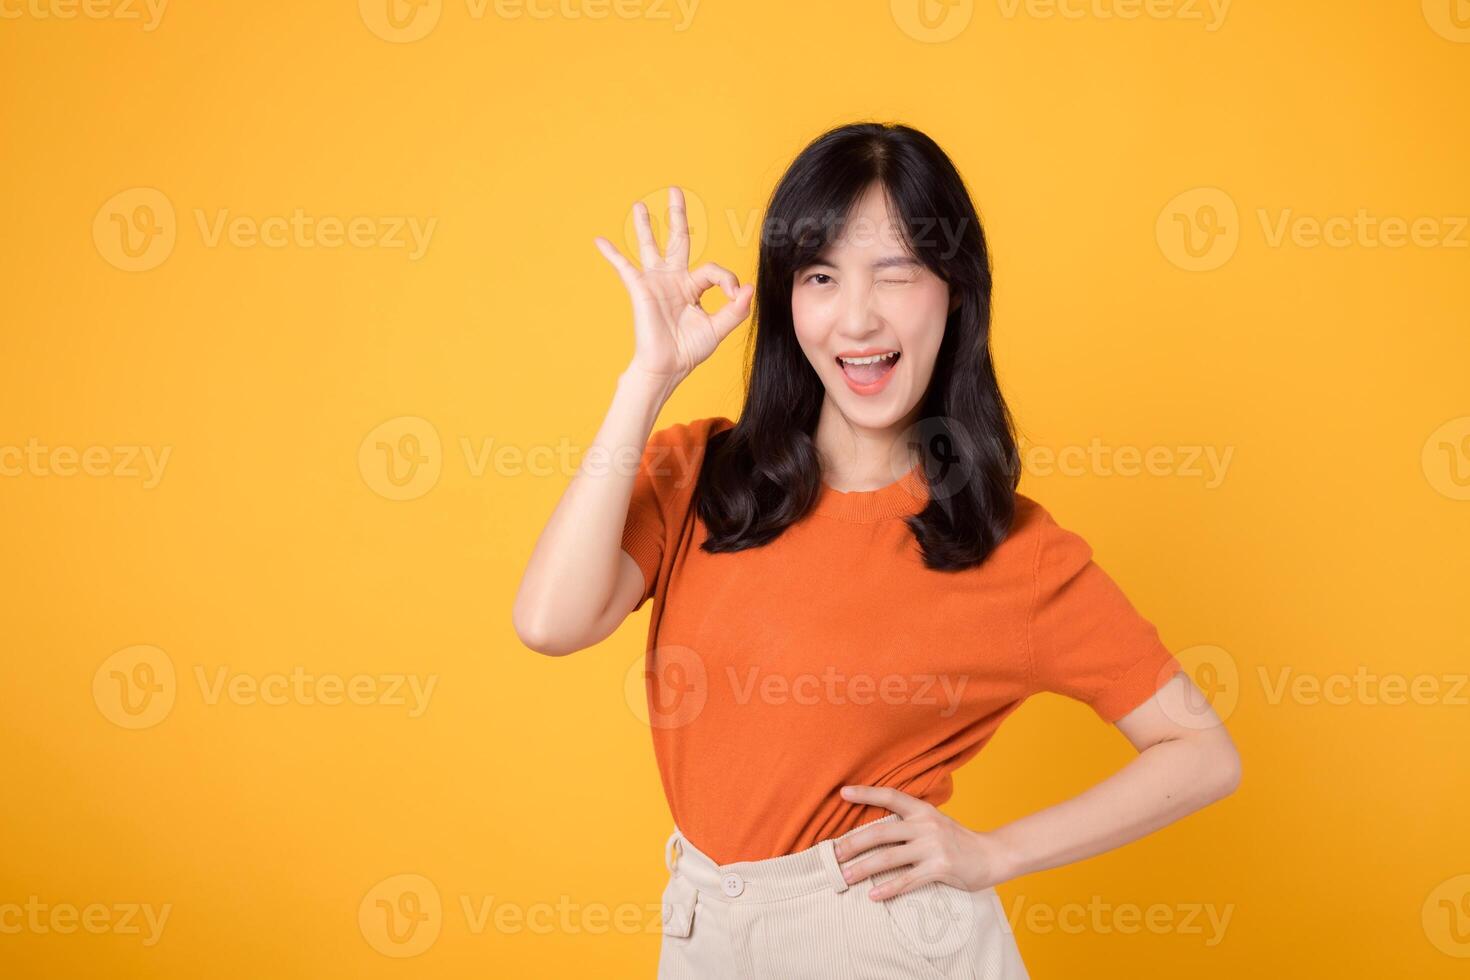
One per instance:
[(832, 655)]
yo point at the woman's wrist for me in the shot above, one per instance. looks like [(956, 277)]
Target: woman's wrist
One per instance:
[(1006, 855), (638, 383)]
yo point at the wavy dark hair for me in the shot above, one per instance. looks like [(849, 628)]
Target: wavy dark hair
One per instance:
[(764, 473)]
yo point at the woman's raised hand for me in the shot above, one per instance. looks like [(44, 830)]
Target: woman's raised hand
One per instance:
[(672, 332)]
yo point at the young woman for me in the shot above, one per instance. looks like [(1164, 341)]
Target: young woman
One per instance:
[(849, 594)]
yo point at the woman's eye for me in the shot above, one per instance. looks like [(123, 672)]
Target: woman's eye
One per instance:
[(818, 275)]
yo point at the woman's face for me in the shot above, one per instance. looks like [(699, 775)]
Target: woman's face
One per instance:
[(865, 295)]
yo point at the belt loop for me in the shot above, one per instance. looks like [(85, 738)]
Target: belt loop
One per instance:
[(673, 842), (829, 861)]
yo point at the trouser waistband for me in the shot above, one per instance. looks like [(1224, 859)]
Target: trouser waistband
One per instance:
[(768, 880)]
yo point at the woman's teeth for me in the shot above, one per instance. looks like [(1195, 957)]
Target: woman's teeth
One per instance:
[(870, 359), (870, 369)]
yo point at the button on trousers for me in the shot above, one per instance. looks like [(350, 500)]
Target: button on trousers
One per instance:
[(794, 918)]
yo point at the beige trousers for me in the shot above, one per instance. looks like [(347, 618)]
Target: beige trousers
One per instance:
[(794, 918)]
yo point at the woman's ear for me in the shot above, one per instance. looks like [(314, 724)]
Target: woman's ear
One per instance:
[(954, 301)]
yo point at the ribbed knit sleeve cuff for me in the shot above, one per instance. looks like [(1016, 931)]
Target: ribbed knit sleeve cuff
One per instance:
[(645, 545), (1136, 684)]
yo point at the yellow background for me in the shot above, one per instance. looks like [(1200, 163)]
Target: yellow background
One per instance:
[(1336, 377)]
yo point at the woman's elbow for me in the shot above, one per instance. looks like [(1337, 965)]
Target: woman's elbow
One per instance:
[(1223, 769), (536, 633), (543, 643), (558, 632)]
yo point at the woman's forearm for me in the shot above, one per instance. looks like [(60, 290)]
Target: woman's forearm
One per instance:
[(572, 571), (1163, 783)]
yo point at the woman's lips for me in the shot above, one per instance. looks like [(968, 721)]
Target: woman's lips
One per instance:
[(868, 379)]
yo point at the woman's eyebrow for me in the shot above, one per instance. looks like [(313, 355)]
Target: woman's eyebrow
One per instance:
[(886, 262)]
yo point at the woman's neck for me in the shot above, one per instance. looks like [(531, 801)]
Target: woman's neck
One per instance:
[(855, 457)]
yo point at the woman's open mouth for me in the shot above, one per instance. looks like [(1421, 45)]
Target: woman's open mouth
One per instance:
[(868, 374)]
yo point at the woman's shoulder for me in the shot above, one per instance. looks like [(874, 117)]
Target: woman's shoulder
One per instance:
[(1029, 514), (1036, 532)]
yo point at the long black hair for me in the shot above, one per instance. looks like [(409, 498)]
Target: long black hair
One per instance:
[(764, 473)]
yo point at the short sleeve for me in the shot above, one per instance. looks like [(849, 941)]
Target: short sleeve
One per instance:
[(1087, 641), (662, 489)]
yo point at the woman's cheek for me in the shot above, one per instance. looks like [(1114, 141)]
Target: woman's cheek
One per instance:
[(807, 318), (912, 309)]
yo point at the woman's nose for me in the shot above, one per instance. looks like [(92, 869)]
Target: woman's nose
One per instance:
[(858, 316)]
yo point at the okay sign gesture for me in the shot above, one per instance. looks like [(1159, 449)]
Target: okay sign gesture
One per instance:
[(672, 332)]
